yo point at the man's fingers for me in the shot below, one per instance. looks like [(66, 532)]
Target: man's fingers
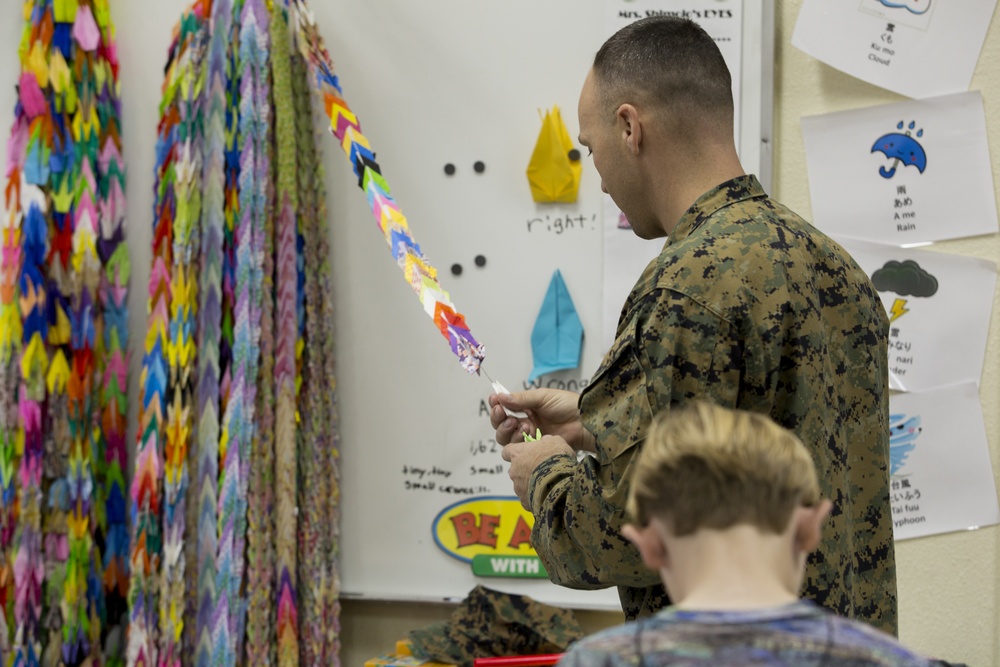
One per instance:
[(522, 400), (497, 416)]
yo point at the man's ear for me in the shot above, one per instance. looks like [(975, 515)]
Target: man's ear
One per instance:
[(809, 525), (650, 544), (629, 126)]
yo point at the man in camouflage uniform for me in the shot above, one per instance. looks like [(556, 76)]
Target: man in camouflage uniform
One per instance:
[(747, 306)]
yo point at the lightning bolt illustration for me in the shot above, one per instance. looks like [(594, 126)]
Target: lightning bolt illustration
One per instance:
[(897, 310)]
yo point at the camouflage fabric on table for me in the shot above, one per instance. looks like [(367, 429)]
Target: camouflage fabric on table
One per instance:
[(747, 306), (490, 623)]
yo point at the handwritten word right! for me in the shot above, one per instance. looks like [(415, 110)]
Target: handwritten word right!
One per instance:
[(560, 224)]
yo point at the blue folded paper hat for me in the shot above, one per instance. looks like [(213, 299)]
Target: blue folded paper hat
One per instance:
[(557, 337)]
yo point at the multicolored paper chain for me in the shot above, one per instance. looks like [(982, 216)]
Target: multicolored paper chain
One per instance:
[(63, 288), (236, 335), (210, 363), (255, 174), (182, 357), (255, 46), (37, 144), (256, 311), (391, 222), (154, 388), (114, 255), (286, 329), (29, 568), (309, 399)]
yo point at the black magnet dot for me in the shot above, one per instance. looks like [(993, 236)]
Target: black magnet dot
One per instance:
[(574, 155), (449, 169), (480, 261), (456, 269), (480, 167)]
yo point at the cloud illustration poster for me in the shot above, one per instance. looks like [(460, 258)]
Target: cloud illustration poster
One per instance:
[(941, 476), (939, 307), (903, 173), (917, 48)]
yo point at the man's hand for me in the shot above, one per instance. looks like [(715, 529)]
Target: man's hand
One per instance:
[(554, 411), (524, 457)]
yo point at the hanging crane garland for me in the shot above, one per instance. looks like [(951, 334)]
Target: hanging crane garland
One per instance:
[(392, 223), (257, 131), (156, 376), (317, 525), (237, 327), (212, 97), (234, 499), (286, 326), (182, 357), (64, 273)]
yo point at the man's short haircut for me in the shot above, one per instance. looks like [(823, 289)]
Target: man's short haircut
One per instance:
[(703, 466), (666, 61)]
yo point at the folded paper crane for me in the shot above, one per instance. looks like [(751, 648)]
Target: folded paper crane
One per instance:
[(554, 170), (557, 337)]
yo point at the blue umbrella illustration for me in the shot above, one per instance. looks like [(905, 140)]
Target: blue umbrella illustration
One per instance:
[(902, 148)]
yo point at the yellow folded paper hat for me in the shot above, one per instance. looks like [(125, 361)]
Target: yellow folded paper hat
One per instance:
[(554, 170)]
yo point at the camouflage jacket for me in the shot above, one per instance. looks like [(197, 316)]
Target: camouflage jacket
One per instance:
[(747, 306)]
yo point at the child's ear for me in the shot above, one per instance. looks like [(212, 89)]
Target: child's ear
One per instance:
[(650, 544), (809, 526)]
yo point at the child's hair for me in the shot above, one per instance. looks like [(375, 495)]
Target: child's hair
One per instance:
[(703, 466)]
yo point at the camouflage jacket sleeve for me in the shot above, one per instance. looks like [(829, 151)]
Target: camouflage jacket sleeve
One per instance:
[(668, 348)]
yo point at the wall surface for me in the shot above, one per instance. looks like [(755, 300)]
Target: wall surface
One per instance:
[(949, 585)]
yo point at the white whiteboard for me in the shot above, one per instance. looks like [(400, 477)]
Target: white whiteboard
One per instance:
[(458, 82)]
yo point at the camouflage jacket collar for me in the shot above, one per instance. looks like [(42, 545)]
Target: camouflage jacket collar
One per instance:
[(710, 203)]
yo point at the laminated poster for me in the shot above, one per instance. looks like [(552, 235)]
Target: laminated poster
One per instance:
[(904, 173), (941, 476), (917, 48), (933, 299)]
